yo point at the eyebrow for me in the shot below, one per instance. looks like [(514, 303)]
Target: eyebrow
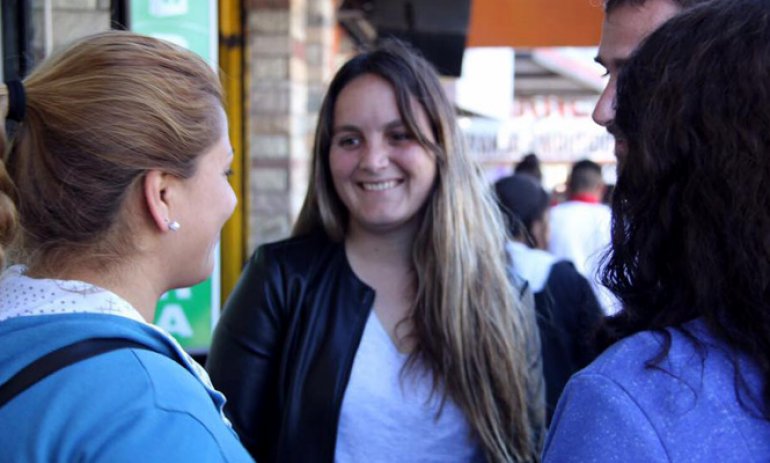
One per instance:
[(618, 62), (352, 128), (345, 128)]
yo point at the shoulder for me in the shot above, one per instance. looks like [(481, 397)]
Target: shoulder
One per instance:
[(565, 278), (298, 247), (636, 393), (634, 354), (571, 297), (579, 208), (151, 380), (599, 410), (302, 253), (176, 406), (564, 270), (627, 358), (126, 405), (533, 265)]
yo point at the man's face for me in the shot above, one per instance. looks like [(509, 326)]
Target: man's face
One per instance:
[(622, 31)]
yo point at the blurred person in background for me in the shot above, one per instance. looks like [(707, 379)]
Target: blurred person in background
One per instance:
[(529, 165), (687, 373), (115, 192), (567, 309), (580, 227), (387, 328)]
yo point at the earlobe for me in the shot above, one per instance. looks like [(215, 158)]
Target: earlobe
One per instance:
[(155, 194)]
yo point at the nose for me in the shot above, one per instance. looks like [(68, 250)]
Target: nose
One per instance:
[(374, 157), (604, 111)]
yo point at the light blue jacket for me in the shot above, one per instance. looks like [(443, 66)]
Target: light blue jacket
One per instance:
[(684, 410), (128, 405)]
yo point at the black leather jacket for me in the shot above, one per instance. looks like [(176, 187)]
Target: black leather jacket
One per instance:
[(284, 348)]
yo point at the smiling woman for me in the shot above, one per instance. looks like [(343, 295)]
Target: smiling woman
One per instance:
[(387, 328), (379, 170)]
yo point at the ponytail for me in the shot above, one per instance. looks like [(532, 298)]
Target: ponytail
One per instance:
[(12, 104)]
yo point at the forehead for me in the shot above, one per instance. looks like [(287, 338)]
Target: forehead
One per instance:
[(627, 25), (370, 96), (371, 84)]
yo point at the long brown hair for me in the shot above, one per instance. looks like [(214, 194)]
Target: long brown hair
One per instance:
[(99, 114), (470, 327)]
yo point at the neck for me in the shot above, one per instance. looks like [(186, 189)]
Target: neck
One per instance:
[(127, 281), (585, 197), (390, 249), (374, 255)]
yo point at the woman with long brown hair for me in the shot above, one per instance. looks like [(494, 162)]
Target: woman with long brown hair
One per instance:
[(386, 328)]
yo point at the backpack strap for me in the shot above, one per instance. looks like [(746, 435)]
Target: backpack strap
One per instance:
[(61, 358)]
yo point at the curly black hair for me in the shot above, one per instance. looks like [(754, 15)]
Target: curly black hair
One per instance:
[(691, 209)]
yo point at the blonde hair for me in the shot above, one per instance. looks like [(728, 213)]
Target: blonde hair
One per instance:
[(469, 325), (99, 114)]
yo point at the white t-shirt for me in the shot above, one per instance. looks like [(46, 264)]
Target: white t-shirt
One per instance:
[(580, 233), (390, 417)]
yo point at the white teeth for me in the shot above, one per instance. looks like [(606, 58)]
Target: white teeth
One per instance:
[(379, 186)]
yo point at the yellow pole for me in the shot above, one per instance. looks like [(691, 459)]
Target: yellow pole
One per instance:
[(235, 232)]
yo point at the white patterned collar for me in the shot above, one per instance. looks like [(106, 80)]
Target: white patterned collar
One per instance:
[(21, 295)]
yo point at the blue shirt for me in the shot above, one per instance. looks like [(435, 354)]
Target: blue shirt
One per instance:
[(124, 406), (685, 409)]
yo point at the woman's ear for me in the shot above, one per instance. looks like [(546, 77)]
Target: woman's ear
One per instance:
[(155, 190)]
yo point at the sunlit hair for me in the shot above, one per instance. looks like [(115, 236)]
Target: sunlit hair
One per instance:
[(468, 322), (691, 231), (101, 113)]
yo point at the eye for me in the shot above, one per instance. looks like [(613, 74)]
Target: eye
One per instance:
[(400, 136), (229, 172), (348, 141)]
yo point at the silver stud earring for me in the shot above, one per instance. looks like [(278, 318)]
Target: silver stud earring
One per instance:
[(173, 225)]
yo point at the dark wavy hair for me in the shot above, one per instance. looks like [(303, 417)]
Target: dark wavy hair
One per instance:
[(691, 210)]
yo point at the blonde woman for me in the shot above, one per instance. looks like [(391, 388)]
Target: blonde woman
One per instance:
[(115, 192), (387, 328)]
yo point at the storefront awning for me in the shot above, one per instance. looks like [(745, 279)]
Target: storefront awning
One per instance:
[(534, 23)]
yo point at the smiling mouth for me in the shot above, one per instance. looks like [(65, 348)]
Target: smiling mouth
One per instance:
[(379, 186)]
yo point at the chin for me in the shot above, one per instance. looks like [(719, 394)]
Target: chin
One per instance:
[(192, 279)]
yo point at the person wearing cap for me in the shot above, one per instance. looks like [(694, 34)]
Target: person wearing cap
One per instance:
[(567, 309)]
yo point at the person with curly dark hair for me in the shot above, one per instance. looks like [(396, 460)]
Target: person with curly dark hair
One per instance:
[(626, 24), (688, 375)]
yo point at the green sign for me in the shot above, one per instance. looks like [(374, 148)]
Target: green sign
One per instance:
[(189, 314), (188, 23)]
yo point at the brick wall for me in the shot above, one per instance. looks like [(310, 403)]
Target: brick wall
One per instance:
[(288, 53)]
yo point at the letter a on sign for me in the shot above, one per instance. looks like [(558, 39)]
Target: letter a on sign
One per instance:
[(174, 320)]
